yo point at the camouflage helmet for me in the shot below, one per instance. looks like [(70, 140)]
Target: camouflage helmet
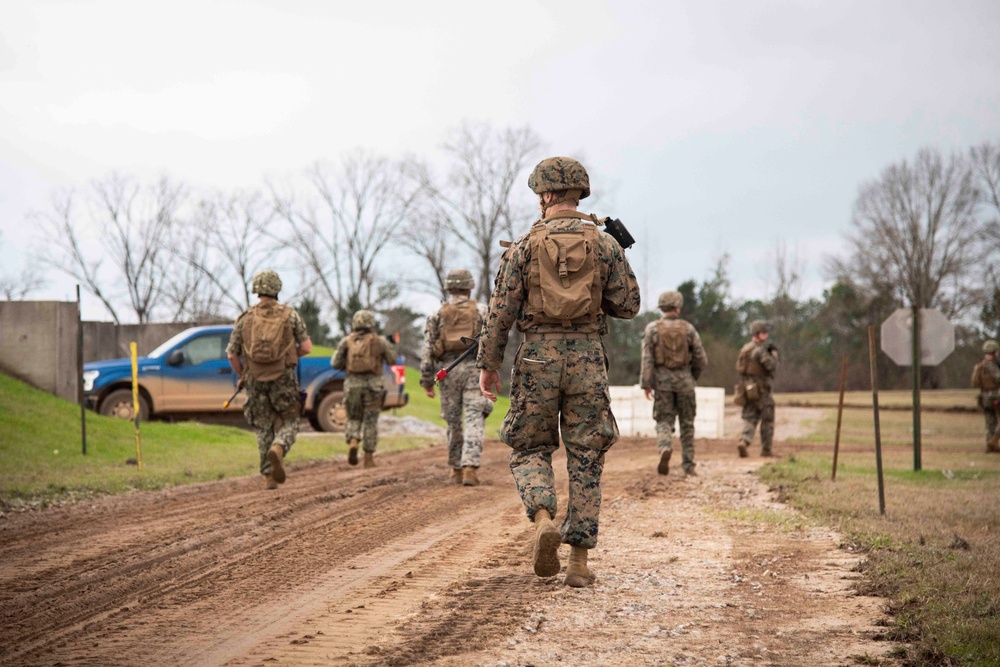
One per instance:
[(459, 279), (991, 347), (363, 319), (758, 327), (559, 173), (266, 283), (671, 299)]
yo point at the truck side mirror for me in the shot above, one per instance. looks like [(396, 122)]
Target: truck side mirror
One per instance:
[(175, 358)]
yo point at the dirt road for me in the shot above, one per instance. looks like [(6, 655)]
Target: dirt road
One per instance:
[(394, 566)]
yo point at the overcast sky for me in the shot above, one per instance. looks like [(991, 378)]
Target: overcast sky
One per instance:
[(713, 127)]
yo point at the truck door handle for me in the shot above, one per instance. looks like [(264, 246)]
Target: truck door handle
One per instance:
[(225, 371)]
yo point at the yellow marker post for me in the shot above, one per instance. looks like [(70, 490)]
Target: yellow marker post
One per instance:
[(135, 402)]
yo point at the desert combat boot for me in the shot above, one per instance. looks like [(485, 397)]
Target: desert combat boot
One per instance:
[(578, 575), (269, 482), (276, 457), (546, 548), (456, 475), (352, 453), (369, 459), (469, 476)]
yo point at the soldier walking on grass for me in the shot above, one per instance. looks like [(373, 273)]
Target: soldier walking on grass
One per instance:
[(672, 360), (756, 364), (558, 284), (361, 355), (264, 350), (986, 378), (463, 406)]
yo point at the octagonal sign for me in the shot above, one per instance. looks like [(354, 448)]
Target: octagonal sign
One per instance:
[(937, 337)]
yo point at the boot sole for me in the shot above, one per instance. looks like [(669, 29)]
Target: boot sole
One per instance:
[(547, 552), (743, 451), (664, 467), (352, 456), (277, 468)]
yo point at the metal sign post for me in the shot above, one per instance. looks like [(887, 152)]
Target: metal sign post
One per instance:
[(917, 337)]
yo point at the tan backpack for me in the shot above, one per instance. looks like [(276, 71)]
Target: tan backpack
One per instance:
[(982, 380), (672, 344), (364, 352), (268, 343), (457, 320), (564, 277)]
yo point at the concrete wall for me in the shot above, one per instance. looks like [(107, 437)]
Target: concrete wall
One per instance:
[(107, 340), (38, 344), (634, 413)]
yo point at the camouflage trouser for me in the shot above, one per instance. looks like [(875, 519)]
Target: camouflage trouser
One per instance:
[(759, 411), (272, 409), (460, 393), (363, 402), (669, 406), (986, 404), (561, 386)]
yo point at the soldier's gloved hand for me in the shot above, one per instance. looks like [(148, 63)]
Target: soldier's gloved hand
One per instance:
[(240, 383)]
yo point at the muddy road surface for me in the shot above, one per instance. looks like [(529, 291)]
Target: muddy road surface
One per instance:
[(395, 566)]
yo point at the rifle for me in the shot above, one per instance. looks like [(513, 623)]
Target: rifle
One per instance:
[(239, 388), (473, 344), (616, 230)]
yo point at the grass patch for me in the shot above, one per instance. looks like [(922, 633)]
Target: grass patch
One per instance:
[(935, 399), (933, 555), (784, 520), (41, 459)]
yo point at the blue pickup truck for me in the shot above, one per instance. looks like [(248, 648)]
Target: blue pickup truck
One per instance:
[(189, 375)]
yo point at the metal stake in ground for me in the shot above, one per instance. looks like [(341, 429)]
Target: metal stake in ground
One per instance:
[(840, 415), (878, 430)]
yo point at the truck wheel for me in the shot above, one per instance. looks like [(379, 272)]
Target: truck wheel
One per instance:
[(119, 404), (331, 413)]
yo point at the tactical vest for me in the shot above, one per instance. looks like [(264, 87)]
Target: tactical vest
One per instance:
[(457, 320), (981, 379), (364, 352), (672, 343), (268, 341), (747, 364), (564, 278)]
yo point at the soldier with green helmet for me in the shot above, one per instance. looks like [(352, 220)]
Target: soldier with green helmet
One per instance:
[(986, 378), (672, 360), (264, 350), (756, 364), (463, 407), (361, 355), (558, 284)]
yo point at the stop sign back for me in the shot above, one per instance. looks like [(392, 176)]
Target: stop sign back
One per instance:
[(937, 337)]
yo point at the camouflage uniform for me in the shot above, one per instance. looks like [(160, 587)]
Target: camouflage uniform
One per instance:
[(459, 391), (989, 395), (272, 408), (559, 385), (760, 411), (363, 392), (674, 390)]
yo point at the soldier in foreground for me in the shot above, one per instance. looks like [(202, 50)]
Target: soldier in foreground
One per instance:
[(756, 364), (361, 355), (459, 317), (672, 360), (264, 350), (558, 284), (986, 378)]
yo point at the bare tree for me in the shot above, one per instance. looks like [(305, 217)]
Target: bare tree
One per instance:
[(131, 224), (14, 287), (916, 235), (225, 243), (338, 233), (476, 202)]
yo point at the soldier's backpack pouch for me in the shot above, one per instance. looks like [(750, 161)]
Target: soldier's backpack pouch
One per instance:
[(672, 344), (458, 320), (568, 273), (267, 335), (739, 394), (364, 353)]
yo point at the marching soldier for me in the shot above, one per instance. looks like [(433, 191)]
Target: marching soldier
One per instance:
[(463, 406), (558, 284), (756, 364), (986, 378)]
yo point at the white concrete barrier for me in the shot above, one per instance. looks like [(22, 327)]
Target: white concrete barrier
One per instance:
[(635, 414)]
